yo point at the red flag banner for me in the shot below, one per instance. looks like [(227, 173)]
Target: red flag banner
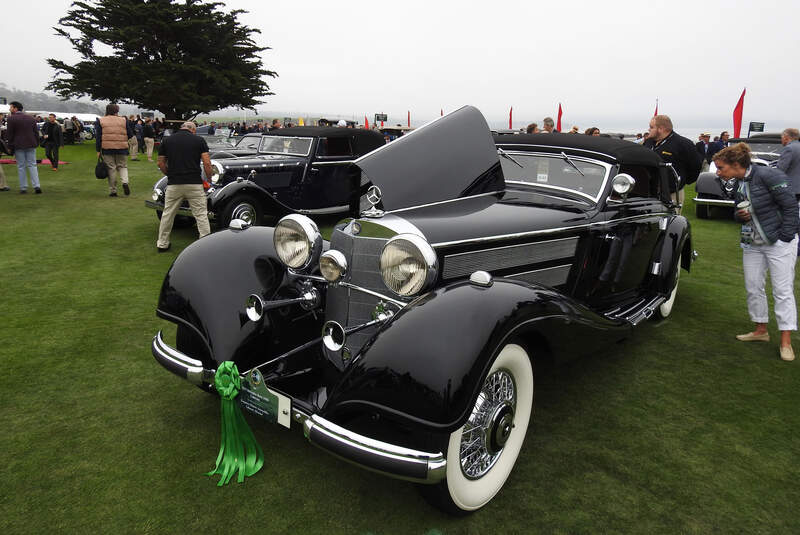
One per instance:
[(737, 115), (409, 118), (366, 122), (441, 112), (558, 124), (510, 114), (656, 112)]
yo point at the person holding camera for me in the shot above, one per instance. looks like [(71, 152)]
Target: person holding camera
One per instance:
[(767, 209)]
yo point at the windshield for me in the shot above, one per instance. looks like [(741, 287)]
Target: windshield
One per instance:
[(773, 149), (216, 139), (298, 146), (554, 171)]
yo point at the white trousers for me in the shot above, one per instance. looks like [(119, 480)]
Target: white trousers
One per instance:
[(778, 259)]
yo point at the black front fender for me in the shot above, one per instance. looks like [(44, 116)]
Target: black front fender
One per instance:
[(206, 290), (676, 243), (218, 201), (424, 369)]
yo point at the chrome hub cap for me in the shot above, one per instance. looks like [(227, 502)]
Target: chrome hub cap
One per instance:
[(246, 212), (489, 425)]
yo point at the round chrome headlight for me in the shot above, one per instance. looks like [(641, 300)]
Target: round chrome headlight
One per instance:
[(332, 265), (157, 193), (218, 171), (297, 240), (408, 264)]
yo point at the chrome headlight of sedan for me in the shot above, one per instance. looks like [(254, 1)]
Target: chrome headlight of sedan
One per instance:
[(157, 194), (218, 171), (408, 264), (297, 240)]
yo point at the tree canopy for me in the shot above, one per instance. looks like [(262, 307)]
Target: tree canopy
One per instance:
[(181, 58)]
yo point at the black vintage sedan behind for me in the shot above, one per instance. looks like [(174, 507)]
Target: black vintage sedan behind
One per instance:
[(294, 170), (406, 343), (715, 193)]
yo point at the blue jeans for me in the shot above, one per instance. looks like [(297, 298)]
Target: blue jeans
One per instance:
[(26, 158)]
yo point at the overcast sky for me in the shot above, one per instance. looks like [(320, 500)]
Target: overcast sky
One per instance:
[(605, 62)]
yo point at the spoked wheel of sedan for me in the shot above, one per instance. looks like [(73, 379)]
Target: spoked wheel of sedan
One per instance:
[(243, 207), (665, 309), (481, 454)]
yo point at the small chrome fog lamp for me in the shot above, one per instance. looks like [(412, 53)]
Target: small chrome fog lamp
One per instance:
[(157, 194), (297, 240), (623, 183), (333, 265)]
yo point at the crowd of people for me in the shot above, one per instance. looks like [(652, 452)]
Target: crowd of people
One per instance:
[(767, 198)]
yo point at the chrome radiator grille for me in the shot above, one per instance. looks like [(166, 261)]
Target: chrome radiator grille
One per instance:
[(351, 307)]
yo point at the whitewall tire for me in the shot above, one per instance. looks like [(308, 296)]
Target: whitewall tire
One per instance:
[(482, 453), (665, 309)]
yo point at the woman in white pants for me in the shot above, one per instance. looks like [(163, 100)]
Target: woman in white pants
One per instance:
[(767, 209)]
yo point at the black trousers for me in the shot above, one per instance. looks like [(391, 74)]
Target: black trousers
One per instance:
[(51, 151)]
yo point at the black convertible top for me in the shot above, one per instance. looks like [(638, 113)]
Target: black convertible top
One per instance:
[(614, 150), (321, 131), (363, 141)]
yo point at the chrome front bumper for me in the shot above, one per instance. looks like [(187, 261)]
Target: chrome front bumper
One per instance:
[(713, 202), (383, 457), (155, 205)]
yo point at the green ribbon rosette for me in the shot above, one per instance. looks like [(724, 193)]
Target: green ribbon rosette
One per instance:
[(238, 451)]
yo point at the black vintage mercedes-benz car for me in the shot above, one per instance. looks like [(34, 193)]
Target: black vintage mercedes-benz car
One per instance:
[(405, 343), (295, 170), (712, 192)]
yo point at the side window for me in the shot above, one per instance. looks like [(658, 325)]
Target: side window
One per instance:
[(647, 180), (335, 146)]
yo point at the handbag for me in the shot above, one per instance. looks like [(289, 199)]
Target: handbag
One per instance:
[(100, 170)]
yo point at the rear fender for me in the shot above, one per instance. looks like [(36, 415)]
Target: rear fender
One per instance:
[(675, 243), (425, 368), (206, 290)]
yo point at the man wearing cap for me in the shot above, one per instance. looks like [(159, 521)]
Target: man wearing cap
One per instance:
[(703, 150), (179, 158)]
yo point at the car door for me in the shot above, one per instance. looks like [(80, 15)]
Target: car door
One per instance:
[(327, 183), (622, 248)]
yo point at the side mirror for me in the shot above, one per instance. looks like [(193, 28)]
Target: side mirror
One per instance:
[(622, 184)]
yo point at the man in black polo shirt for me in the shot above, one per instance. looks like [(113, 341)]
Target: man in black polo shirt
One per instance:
[(179, 158)]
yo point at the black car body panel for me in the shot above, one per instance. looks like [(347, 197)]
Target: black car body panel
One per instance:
[(305, 168), (553, 244), (712, 192)]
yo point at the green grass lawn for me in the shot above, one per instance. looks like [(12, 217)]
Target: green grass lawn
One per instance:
[(681, 429)]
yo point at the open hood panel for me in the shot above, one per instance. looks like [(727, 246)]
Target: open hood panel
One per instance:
[(450, 157)]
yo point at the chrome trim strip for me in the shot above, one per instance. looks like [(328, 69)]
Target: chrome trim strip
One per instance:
[(445, 202), (156, 206), (373, 454), (562, 271), (713, 202), (545, 232), (336, 162)]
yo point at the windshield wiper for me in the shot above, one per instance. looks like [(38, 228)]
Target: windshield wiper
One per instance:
[(566, 159), (503, 153)]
